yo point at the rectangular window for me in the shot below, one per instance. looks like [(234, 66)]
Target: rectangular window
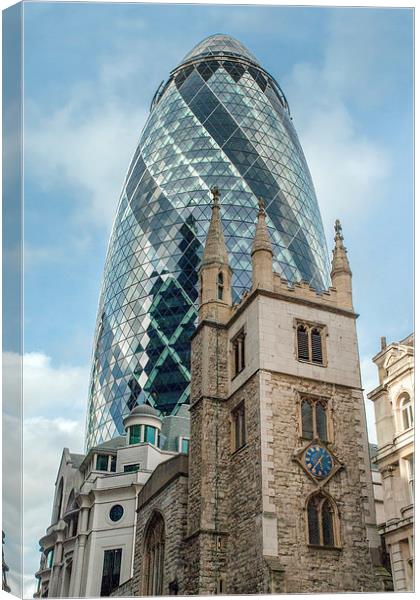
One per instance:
[(111, 571), (131, 468), (50, 556), (102, 462), (185, 445), (238, 351), (410, 474), (113, 464), (239, 431), (149, 434), (134, 435)]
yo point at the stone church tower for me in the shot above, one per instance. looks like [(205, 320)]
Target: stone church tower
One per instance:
[(279, 486)]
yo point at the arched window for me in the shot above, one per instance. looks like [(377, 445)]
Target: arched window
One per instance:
[(303, 343), (314, 419), (316, 346), (154, 556), (58, 503), (322, 521), (310, 343), (407, 417), (71, 502), (220, 286)]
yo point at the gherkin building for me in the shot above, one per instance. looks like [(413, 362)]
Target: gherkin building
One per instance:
[(220, 119)]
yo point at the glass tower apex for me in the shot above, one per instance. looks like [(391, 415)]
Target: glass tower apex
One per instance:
[(218, 44)]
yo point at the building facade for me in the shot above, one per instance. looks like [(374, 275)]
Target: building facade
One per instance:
[(277, 497), (262, 484), (88, 548), (394, 411), (219, 119)]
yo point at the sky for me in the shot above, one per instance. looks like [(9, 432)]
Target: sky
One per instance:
[(90, 72)]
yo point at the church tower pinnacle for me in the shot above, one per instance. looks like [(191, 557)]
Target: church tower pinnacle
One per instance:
[(215, 272), (262, 253), (341, 276)]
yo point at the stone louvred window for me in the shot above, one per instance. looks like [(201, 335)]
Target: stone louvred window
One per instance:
[(310, 343), (314, 418), (316, 346), (322, 522), (154, 556), (303, 343)]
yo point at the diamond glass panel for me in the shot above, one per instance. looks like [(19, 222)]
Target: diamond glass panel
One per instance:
[(219, 120)]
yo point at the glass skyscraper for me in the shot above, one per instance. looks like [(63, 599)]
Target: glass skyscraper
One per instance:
[(220, 119)]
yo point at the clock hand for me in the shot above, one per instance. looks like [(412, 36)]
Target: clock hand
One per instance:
[(319, 460)]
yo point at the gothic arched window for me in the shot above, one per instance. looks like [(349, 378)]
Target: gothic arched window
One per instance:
[(316, 346), (311, 343), (314, 418), (58, 502), (154, 556), (303, 343), (220, 286), (322, 521)]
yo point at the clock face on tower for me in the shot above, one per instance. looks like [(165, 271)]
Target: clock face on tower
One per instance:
[(318, 461)]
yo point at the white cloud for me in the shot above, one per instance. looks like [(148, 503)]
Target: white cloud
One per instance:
[(54, 400), (349, 168), (49, 437), (90, 154), (86, 143)]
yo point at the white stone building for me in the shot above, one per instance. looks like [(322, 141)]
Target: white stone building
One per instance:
[(87, 550), (394, 411)]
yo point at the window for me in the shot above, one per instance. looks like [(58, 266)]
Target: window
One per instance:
[(150, 434), (58, 502), (111, 571), (322, 521), (113, 464), (410, 475), (102, 462), (220, 286), (49, 559), (154, 555), (238, 422), (406, 413), (310, 343), (116, 512), (185, 445), (303, 343), (131, 468), (314, 419), (134, 434), (238, 348)]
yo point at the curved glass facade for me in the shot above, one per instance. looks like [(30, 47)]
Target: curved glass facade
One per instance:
[(220, 119)]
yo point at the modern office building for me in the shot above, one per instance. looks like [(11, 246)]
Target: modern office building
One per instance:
[(220, 119)]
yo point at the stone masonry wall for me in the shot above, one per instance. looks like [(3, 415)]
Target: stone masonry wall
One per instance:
[(309, 569), (246, 569), (171, 502), (209, 451)]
